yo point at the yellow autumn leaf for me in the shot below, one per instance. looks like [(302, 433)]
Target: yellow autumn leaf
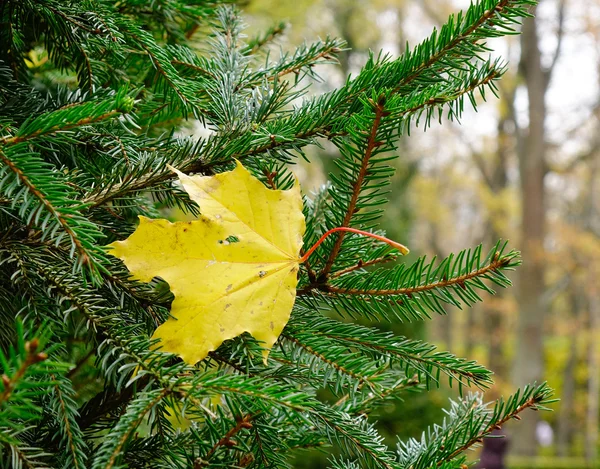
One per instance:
[(233, 270)]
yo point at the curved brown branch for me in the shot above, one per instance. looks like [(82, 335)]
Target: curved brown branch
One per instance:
[(226, 440), (460, 280)]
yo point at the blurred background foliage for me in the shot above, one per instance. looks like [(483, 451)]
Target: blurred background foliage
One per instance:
[(525, 168)]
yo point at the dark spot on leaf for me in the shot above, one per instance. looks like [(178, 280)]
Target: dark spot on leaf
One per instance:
[(222, 329), (227, 305), (229, 287), (272, 325)]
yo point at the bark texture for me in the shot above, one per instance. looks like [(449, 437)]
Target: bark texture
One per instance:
[(529, 363)]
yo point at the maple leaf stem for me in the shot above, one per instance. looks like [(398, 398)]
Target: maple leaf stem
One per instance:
[(403, 249)]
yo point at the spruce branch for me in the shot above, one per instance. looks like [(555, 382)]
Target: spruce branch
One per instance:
[(258, 42), (243, 423), (497, 263), (372, 143), (9, 383), (26, 169), (487, 18), (78, 166), (419, 288), (360, 378), (110, 449), (72, 117), (415, 356), (72, 436), (468, 421)]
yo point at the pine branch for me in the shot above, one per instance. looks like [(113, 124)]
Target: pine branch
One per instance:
[(78, 167), (467, 422), (39, 181), (359, 378), (498, 263), (416, 357), (361, 436), (417, 289), (267, 37), (65, 409), (9, 383), (72, 117), (110, 449), (241, 424), (483, 19), (372, 143)]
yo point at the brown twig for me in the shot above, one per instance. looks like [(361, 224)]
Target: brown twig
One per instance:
[(25, 181), (372, 143), (226, 440), (194, 67), (9, 383), (80, 363), (260, 42), (460, 280), (362, 265), (59, 128), (326, 54)]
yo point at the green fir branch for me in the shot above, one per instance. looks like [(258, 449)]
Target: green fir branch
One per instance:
[(468, 421), (71, 439), (415, 356), (110, 450)]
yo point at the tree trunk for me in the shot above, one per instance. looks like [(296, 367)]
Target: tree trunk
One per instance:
[(591, 434), (593, 418), (529, 363), (497, 181), (565, 427)]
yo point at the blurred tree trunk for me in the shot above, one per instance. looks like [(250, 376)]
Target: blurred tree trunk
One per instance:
[(529, 362), (591, 437), (565, 426), (344, 11), (497, 181), (593, 420)]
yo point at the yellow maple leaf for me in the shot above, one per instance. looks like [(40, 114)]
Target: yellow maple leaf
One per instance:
[(233, 270)]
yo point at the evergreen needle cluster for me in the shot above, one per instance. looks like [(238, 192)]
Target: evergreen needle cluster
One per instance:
[(90, 94)]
